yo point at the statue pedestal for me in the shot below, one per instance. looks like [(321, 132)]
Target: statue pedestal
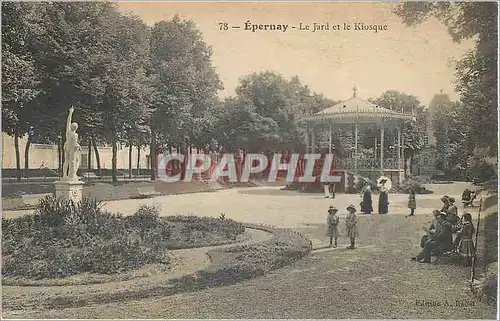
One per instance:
[(70, 189)]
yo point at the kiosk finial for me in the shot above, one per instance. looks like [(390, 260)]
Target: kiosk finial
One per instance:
[(354, 90)]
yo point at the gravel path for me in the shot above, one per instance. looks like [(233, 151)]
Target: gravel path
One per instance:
[(273, 206), (377, 280)]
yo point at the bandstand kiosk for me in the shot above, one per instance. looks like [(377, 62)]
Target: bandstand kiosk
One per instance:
[(355, 114)]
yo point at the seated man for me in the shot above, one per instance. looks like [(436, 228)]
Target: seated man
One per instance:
[(441, 240), (468, 197), (431, 230)]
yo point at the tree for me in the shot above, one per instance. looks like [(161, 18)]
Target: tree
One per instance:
[(239, 126), (453, 144), (94, 58), (186, 85), (477, 71), (127, 103), (284, 101), (413, 132), (19, 75)]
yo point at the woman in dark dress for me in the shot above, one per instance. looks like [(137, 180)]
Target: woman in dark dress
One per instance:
[(383, 199), (366, 205)]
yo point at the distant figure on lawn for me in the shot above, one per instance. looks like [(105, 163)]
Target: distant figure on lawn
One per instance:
[(412, 203), (468, 197), (441, 240), (351, 222), (366, 204), (383, 198), (333, 225), (329, 189)]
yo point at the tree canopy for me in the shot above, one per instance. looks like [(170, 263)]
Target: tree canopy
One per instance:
[(477, 71), (269, 106)]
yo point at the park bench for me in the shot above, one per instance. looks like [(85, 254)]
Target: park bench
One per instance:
[(147, 191), (33, 199), (445, 254), (90, 175)]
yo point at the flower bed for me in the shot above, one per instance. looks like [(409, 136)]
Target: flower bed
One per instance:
[(410, 184), (63, 239), (229, 265), (242, 262)]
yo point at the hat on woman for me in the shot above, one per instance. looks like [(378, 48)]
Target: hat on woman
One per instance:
[(332, 208), (351, 207)]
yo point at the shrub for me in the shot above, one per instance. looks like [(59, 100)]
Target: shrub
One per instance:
[(285, 247), (411, 184), (64, 238)]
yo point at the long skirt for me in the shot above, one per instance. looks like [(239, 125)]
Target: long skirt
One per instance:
[(383, 203), (466, 248), (366, 205)]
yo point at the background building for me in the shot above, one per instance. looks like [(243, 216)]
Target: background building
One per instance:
[(47, 156)]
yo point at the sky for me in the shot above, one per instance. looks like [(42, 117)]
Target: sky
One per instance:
[(417, 61)]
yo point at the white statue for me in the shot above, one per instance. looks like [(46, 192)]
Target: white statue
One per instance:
[(71, 149)]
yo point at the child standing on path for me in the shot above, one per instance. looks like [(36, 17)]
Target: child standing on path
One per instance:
[(333, 225), (412, 204), (351, 222)]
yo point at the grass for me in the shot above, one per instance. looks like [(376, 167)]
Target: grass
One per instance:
[(284, 247), (64, 239)]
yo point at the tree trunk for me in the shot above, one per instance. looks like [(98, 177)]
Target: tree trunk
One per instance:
[(59, 157), (97, 156), (405, 162), (18, 157), (113, 161), (152, 155), (138, 159), (130, 160), (411, 163), (27, 157), (63, 154), (89, 156), (183, 149)]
